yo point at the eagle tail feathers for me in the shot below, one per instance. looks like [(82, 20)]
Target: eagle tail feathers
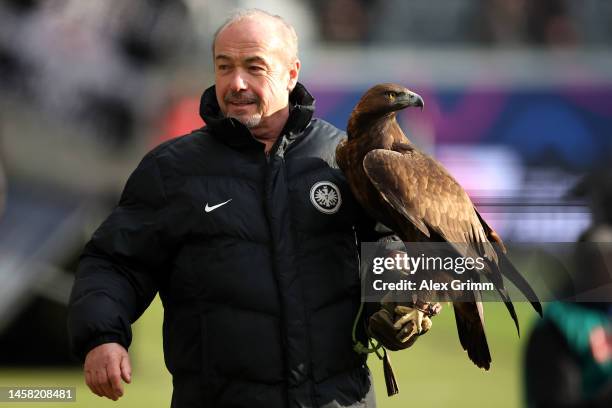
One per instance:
[(473, 339)]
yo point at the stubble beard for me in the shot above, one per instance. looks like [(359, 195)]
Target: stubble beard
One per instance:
[(248, 120)]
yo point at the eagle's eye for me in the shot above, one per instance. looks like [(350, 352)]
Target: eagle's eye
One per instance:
[(391, 95)]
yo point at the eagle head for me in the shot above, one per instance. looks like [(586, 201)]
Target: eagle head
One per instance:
[(383, 99)]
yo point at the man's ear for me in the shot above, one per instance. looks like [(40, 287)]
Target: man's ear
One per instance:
[(294, 73)]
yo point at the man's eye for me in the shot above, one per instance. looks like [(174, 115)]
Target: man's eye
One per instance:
[(255, 68), (222, 67)]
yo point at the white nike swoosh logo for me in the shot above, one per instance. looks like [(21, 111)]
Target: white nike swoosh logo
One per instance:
[(214, 207)]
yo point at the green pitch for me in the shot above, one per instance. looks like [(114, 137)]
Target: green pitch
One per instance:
[(433, 372)]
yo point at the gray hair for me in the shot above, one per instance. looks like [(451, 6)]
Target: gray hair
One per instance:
[(239, 15)]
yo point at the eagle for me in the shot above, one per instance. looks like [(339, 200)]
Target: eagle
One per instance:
[(415, 196)]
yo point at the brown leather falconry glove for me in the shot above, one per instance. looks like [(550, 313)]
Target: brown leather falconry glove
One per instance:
[(397, 326), (399, 322)]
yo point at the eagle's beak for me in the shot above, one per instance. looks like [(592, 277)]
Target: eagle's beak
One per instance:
[(410, 99)]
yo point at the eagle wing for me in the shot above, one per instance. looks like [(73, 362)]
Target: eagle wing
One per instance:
[(421, 190)]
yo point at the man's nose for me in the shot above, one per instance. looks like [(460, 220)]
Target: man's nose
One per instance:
[(238, 82)]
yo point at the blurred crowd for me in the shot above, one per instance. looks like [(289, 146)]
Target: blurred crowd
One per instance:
[(514, 23), (87, 62), (93, 63)]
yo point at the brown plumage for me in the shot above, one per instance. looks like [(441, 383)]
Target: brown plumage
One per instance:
[(416, 197)]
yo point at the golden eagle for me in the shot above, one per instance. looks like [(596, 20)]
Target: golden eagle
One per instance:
[(413, 195)]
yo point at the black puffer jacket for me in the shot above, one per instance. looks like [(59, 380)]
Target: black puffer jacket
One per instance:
[(255, 260)]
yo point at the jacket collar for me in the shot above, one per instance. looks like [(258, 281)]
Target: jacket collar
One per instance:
[(235, 134)]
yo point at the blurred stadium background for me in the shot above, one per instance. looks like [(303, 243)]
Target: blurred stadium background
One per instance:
[(518, 106)]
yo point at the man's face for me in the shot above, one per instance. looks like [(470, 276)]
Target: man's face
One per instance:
[(253, 71)]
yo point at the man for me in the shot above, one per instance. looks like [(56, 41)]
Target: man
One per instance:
[(2, 190), (247, 229), (568, 358)]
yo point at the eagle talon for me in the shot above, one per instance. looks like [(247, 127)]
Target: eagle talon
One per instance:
[(434, 309)]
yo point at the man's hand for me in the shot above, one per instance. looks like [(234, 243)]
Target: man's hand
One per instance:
[(394, 324), (105, 366)]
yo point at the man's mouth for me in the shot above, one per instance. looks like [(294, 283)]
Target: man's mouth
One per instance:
[(241, 103), (240, 100)]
